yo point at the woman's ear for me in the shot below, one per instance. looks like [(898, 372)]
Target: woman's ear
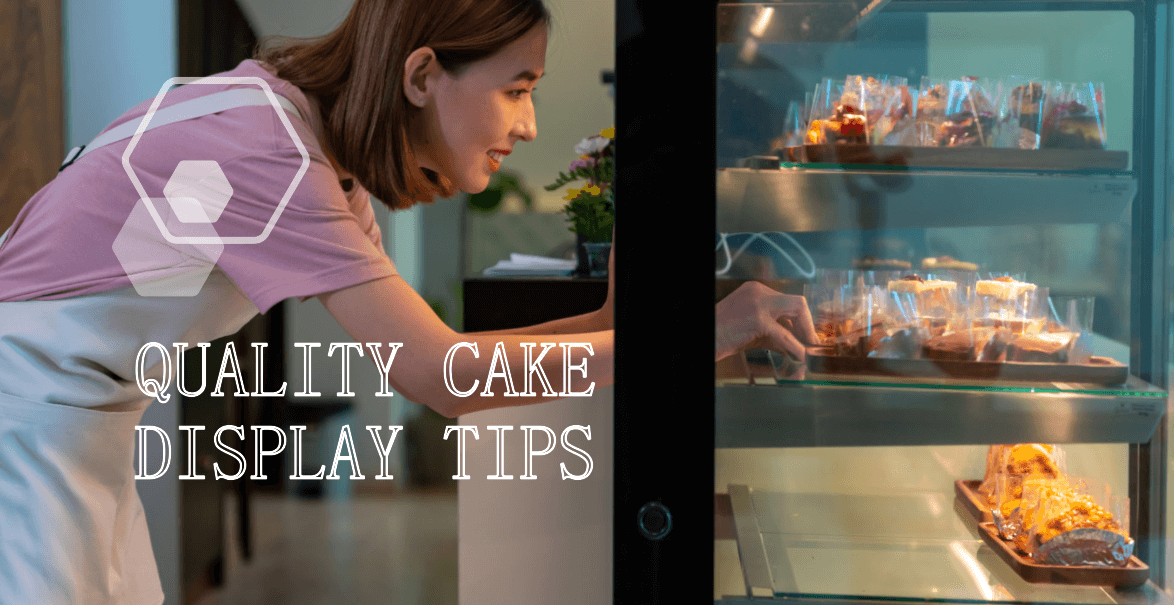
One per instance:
[(420, 65)]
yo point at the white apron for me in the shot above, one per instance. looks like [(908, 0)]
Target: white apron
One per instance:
[(72, 527)]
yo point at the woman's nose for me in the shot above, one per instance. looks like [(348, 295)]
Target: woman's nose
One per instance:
[(526, 127)]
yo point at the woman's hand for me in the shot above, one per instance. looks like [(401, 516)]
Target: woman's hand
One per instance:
[(749, 319)]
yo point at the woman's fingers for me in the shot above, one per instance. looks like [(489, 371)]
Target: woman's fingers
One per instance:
[(796, 311), (782, 341)]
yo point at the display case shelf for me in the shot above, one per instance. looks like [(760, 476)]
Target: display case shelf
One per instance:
[(915, 547), (833, 415), (759, 402), (797, 199), (839, 20)]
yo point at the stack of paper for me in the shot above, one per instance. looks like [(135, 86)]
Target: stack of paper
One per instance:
[(525, 264)]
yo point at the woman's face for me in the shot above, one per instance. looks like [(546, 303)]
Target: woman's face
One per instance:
[(474, 119)]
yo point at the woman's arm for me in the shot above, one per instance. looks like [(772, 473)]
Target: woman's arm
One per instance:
[(587, 322), (387, 311)]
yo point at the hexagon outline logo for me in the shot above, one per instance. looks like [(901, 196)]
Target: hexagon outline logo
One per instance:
[(217, 238)]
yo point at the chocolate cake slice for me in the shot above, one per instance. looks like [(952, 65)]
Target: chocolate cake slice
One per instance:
[(1041, 348), (957, 346)]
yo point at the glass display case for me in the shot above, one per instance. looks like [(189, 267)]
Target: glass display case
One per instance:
[(972, 198)]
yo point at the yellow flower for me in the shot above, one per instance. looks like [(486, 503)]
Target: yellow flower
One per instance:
[(609, 133), (572, 194), (592, 189)]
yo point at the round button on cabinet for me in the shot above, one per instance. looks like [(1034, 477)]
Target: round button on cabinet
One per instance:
[(654, 521)]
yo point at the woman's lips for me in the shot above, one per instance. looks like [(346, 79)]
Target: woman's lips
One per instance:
[(495, 157)]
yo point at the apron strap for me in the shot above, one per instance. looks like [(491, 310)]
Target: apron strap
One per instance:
[(194, 108)]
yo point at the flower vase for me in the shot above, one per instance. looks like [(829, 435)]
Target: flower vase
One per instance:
[(598, 254), (583, 268)]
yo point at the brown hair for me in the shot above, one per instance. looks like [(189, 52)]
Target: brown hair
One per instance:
[(357, 71)]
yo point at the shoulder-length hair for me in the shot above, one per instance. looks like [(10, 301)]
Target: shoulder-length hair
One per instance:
[(356, 73)]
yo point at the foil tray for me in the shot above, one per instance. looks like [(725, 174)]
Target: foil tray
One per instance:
[(1134, 574)]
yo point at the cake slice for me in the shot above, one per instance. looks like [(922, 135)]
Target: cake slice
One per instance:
[(996, 348), (1041, 348), (933, 294), (1003, 288), (1015, 325), (957, 346), (859, 343)]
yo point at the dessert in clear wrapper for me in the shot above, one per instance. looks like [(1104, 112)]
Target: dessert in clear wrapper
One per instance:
[(850, 112), (849, 314), (948, 317), (836, 116), (905, 330), (1014, 464), (958, 345), (1069, 526), (930, 112), (1003, 288), (1006, 302), (936, 298), (1052, 347), (1073, 316), (1050, 517), (969, 114), (1019, 114), (1074, 117), (897, 120)]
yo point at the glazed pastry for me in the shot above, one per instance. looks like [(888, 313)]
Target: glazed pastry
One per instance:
[(1052, 517), (1017, 463), (946, 263), (871, 263), (1075, 512)]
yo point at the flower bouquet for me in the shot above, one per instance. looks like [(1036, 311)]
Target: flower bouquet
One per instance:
[(591, 209)]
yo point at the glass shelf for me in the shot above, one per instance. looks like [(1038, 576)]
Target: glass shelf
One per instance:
[(906, 547), (819, 199)]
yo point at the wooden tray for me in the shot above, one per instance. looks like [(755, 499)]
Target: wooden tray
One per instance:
[(966, 492), (1131, 576), (1100, 370), (960, 157)]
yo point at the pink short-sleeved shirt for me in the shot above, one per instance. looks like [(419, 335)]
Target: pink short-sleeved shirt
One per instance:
[(326, 238)]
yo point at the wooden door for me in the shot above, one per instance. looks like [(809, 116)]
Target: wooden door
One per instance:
[(214, 37), (32, 122)]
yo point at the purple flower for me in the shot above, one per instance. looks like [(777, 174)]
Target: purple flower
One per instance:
[(587, 163)]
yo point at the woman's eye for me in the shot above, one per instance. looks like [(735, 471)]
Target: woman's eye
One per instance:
[(517, 94)]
